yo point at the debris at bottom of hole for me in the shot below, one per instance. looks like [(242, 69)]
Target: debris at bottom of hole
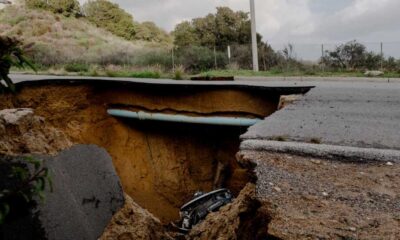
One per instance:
[(197, 209)]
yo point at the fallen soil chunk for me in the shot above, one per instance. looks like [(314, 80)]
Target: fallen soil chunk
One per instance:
[(134, 222), (242, 219), (310, 198), (23, 132)]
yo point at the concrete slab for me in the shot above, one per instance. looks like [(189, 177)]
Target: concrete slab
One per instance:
[(86, 194), (354, 114)]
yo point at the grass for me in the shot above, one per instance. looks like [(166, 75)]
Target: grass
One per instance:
[(128, 74)]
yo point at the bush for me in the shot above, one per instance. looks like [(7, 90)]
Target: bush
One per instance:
[(197, 59), (22, 182), (76, 67), (65, 7), (11, 54), (110, 17), (154, 57)]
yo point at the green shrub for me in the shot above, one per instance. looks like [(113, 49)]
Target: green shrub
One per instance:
[(145, 74), (22, 181), (11, 55), (197, 59), (65, 7), (154, 57), (111, 17), (76, 67)]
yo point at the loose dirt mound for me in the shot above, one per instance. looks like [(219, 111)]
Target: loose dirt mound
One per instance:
[(243, 219), (23, 132), (133, 222), (311, 198)]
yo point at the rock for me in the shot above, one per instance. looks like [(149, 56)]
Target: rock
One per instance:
[(389, 164), (242, 219), (316, 161), (134, 222), (23, 132), (374, 73), (86, 194), (353, 229)]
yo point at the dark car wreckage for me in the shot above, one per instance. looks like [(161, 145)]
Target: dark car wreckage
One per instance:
[(200, 206)]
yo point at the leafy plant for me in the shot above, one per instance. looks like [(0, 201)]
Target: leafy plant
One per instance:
[(11, 54), (21, 180)]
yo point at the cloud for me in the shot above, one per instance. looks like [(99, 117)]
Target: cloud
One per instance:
[(302, 21)]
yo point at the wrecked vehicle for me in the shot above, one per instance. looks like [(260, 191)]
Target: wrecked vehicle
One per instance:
[(200, 206)]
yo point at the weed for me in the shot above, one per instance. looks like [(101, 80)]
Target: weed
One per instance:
[(179, 72)]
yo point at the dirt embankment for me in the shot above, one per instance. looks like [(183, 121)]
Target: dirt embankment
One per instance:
[(133, 222), (160, 165), (310, 198)]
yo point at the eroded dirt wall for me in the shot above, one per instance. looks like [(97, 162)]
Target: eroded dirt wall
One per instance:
[(160, 164)]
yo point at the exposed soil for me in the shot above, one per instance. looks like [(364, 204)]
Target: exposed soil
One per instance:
[(22, 132), (160, 164), (309, 198), (243, 219), (133, 222)]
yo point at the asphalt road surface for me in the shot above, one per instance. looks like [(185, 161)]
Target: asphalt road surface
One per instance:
[(355, 114)]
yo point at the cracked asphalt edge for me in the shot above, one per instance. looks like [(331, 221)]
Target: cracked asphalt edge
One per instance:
[(334, 152)]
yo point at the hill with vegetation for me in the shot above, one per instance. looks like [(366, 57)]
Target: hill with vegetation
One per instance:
[(100, 38), (55, 36)]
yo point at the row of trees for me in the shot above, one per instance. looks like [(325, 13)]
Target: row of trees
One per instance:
[(201, 43), (106, 15), (225, 28), (355, 56)]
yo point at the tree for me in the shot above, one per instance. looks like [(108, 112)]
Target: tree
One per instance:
[(11, 54), (185, 35), (65, 7), (346, 56), (148, 31), (110, 17), (219, 30)]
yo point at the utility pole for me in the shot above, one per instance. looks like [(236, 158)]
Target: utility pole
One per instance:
[(381, 56), (254, 35)]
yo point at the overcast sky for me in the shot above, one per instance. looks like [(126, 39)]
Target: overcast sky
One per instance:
[(284, 21)]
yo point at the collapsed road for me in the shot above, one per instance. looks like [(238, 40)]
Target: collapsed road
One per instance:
[(160, 163), (328, 164), (310, 182)]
